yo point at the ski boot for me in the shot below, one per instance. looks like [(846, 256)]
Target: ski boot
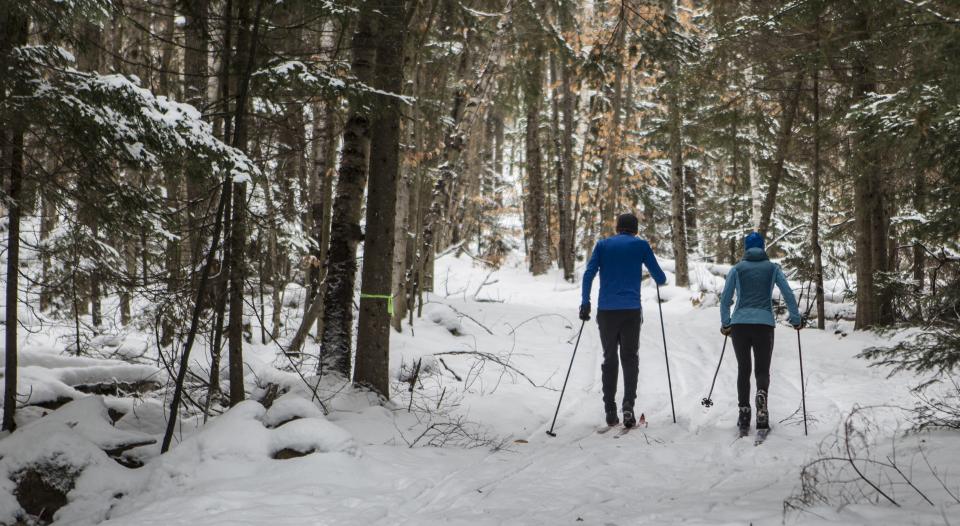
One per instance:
[(612, 418), (629, 420), (744, 421), (763, 417)]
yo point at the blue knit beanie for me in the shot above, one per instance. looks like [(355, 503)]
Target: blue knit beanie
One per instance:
[(754, 240)]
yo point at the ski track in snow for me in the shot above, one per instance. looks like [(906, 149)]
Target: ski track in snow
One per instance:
[(694, 472)]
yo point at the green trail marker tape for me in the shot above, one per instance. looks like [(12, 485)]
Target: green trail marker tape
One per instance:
[(388, 297)]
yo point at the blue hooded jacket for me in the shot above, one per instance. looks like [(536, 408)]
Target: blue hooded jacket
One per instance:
[(753, 279), (618, 259)]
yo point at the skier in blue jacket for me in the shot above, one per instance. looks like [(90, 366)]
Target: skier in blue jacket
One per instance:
[(618, 259), (752, 323)]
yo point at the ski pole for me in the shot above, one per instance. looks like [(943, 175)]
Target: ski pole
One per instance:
[(708, 401), (803, 388), (665, 357), (551, 433)]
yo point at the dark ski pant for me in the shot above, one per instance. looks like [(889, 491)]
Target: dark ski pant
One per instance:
[(620, 330), (760, 339)]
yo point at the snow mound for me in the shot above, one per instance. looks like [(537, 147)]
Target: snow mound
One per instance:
[(85, 420), (242, 434), (48, 378), (289, 407), (56, 450), (446, 319), (312, 435)]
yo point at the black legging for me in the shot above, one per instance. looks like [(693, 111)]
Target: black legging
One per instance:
[(760, 339), (619, 329)]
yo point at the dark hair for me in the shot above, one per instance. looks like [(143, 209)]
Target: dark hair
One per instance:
[(628, 223)]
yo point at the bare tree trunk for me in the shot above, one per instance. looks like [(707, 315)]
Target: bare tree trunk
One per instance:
[(345, 233), (690, 197), (13, 153), (733, 187), (609, 205), (247, 36), (373, 338), (817, 188), (870, 212), (236, 274), (221, 288), (48, 221), (532, 97), (784, 135), (675, 126), (13, 33), (171, 183), (195, 79), (568, 228), (321, 198)]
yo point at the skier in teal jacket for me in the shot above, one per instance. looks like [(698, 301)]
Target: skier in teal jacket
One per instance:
[(752, 324)]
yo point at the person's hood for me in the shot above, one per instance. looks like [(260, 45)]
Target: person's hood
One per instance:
[(755, 254)]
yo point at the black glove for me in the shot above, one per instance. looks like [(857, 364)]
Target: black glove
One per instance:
[(585, 312), (726, 330)]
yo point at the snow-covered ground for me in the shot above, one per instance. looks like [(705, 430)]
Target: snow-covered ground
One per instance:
[(493, 350)]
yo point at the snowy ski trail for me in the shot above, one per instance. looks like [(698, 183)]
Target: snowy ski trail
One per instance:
[(692, 472)]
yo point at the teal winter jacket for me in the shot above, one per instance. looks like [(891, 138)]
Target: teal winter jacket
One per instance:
[(753, 279)]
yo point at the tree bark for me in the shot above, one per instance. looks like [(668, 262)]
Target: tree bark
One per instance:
[(195, 79), (609, 206), (675, 125), (783, 146), (13, 33), (194, 321), (345, 233), (14, 155), (871, 219), (247, 43), (568, 229), (373, 338), (532, 97), (817, 188)]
